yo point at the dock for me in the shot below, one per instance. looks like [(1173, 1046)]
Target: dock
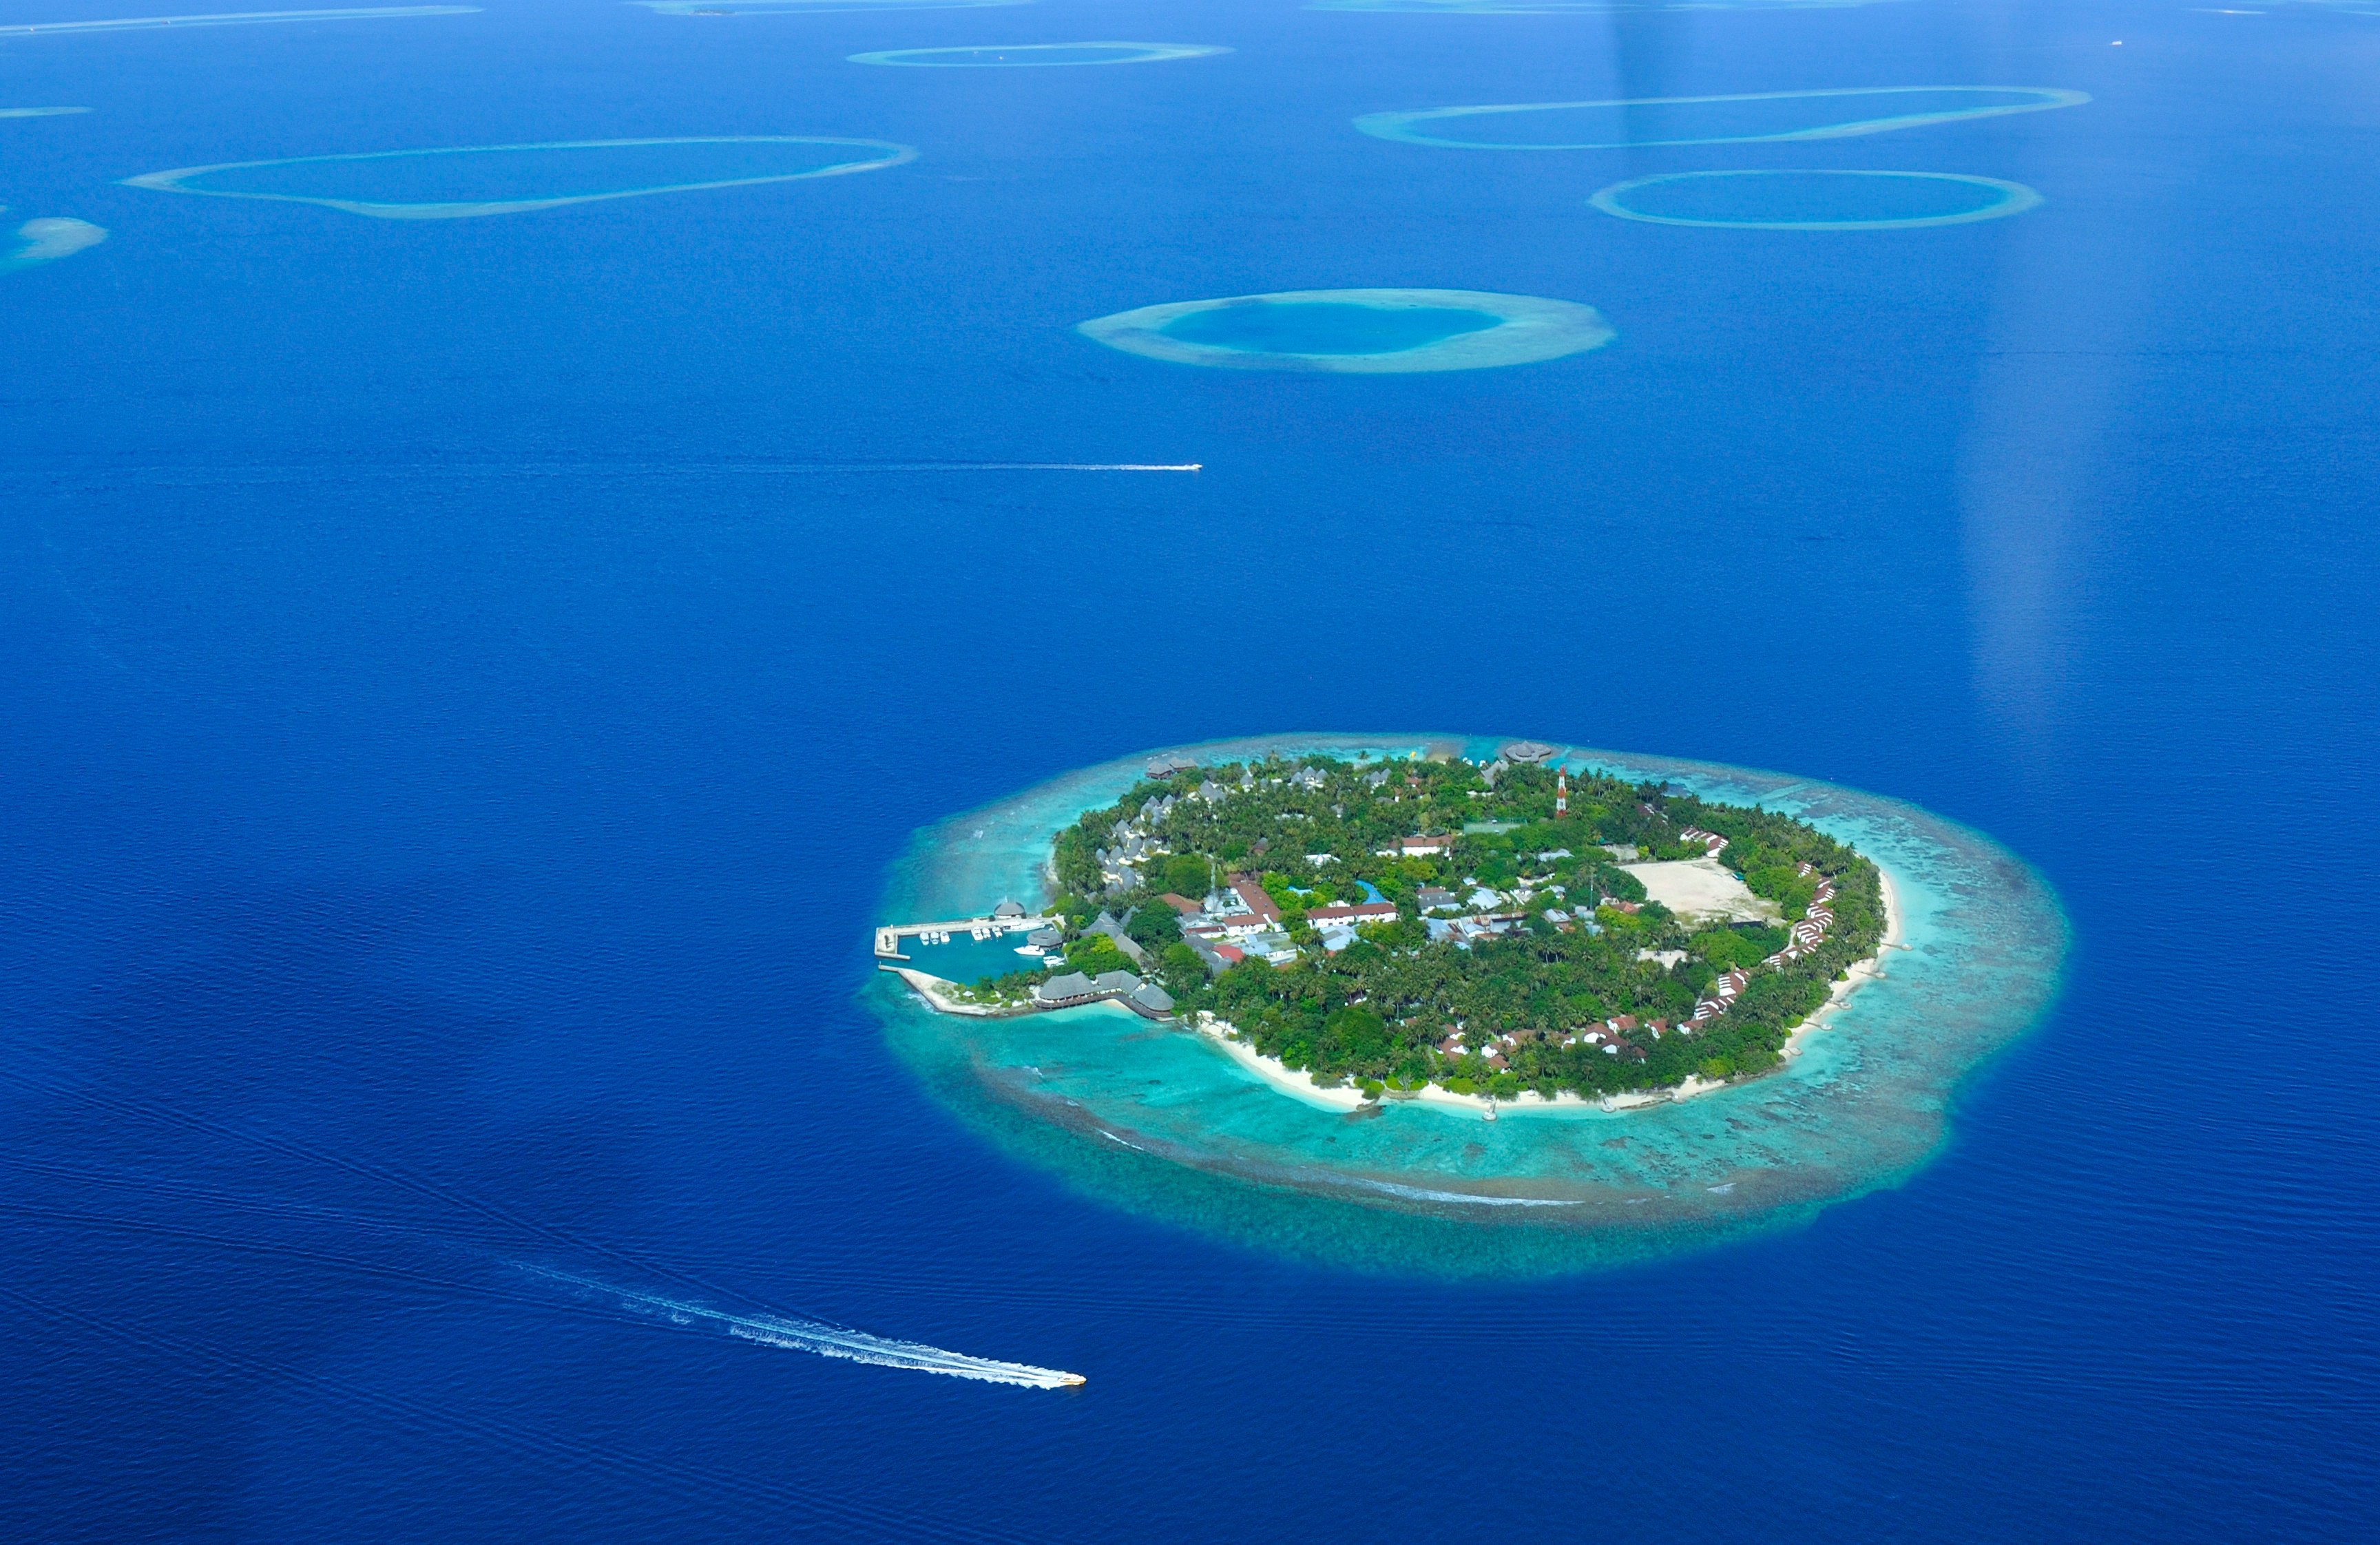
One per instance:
[(888, 938)]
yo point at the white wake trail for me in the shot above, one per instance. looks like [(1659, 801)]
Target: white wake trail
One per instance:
[(829, 1341)]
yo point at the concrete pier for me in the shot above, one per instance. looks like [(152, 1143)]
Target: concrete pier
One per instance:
[(888, 938)]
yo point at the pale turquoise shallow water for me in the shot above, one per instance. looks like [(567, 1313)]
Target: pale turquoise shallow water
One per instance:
[(1156, 1119)]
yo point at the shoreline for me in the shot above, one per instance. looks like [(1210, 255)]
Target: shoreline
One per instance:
[(928, 986), (1300, 1086), (1861, 973)]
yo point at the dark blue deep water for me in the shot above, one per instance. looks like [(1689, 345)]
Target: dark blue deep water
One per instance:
[(463, 683)]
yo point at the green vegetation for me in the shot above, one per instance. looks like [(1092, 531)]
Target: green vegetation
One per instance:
[(1550, 984)]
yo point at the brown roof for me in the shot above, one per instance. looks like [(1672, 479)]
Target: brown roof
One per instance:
[(1181, 904), (1258, 902)]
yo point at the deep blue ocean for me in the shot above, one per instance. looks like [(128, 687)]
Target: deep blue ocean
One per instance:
[(464, 682)]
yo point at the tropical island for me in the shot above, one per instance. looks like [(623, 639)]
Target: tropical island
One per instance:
[(1426, 926)]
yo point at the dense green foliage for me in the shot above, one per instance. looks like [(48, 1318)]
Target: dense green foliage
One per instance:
[(1377, 1010)]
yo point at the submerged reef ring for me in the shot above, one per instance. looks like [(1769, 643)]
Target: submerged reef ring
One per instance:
[(39, 112), (1165, 1121), (464, 181), (1813, 200), (1572, 7), (1633, 123), (235, 18), (792, 7), (1039, 55), (45, 241), (1356, 331)]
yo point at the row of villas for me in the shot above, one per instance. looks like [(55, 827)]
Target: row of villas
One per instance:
[(1817, 917), (1805, 934), (1607, 1036)]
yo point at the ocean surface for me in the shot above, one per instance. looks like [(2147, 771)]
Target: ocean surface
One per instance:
[(479, 642)]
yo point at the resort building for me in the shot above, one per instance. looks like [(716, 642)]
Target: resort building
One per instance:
[(1060, 992), (1352, 917)]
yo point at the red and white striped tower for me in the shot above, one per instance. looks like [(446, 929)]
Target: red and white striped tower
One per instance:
[(1561, 795)]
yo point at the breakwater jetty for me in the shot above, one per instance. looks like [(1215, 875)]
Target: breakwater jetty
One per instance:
[(1007, 918)]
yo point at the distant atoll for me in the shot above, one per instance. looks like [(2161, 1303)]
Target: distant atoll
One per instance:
[(467, 181), (1815, 201), (1760, 118), (45, 241), (1036, 56), (1563, 7), (799, 7), (1356, 331), (233, 18), (1327, 965)]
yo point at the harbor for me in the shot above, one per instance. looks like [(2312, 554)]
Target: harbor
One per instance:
[(1003, 919)]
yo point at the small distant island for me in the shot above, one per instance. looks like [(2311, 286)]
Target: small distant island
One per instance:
[(1504, 929)]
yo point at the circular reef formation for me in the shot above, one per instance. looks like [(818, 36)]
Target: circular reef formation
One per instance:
[(799, 7), (1033, 56), (1562, 7), (1923, 945), (1812, 200), (461, 182), (1636, 123), (1356, 331)]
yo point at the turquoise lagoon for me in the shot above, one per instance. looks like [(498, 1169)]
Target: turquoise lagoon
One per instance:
[(1160, 1121), (1325, 327), (1037, 55), (1799, 200), (45, 241), (966, 958), (1363, 331), (464, 181), (1761, 117)]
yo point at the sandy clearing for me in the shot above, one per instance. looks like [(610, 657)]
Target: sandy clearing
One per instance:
[(1703, 889)]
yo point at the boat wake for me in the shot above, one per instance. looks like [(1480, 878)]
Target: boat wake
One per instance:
[(826, 1341)]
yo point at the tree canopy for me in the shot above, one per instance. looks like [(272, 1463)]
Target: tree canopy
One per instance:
[(1563, 940)]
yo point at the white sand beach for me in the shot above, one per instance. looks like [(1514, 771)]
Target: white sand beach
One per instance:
[(930, 988), (1297, 1086), (1864, 973)]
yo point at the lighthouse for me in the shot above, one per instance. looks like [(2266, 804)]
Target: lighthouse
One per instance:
[(1561, 795)]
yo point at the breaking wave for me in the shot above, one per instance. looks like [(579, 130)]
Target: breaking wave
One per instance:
[(1422, 1193)]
